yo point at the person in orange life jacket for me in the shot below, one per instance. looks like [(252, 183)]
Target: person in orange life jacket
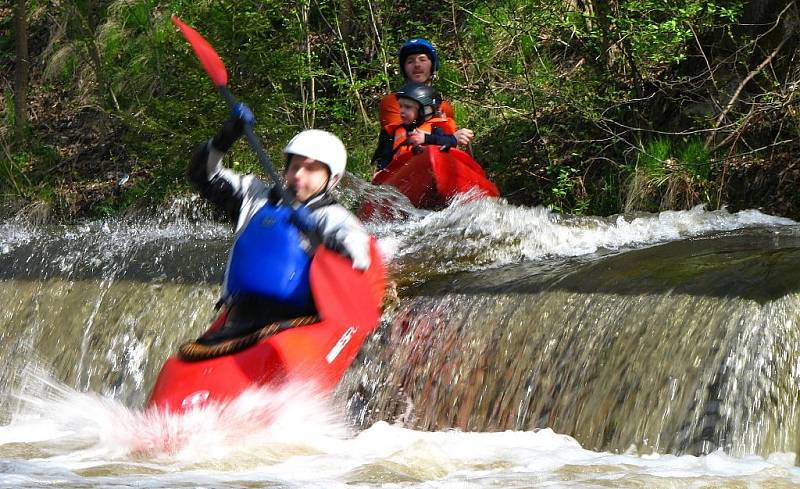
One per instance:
[(421, 122), (315, 163), (419, 62)]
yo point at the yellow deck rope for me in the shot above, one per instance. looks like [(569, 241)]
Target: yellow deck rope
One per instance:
[(193, 351)]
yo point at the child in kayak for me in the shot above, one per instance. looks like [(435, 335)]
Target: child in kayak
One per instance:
[(266, 278), (421, 122), (418, 62)]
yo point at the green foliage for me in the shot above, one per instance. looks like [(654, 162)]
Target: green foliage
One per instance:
[(662, 155), (13, 179), (653, 157), (695, 159), (8, 108), (24, 170), (558, 93), (562, 188), (7, 47)]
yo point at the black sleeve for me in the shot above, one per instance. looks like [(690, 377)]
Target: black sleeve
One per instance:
[(383, 153), (220, 191), (231, 130), (439, 138)]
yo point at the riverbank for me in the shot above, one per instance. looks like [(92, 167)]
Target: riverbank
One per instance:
[(87, 164), (588, 109)]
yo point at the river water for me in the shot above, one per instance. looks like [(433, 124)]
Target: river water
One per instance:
[(521, 349)]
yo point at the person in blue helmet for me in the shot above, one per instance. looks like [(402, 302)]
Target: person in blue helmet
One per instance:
[(419, 62), (276, 229)]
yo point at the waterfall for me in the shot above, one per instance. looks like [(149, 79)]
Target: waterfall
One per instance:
[(674, 333)]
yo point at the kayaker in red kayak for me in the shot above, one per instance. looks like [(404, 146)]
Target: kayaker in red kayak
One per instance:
[(421, 123), (266, 279), (418, 62)]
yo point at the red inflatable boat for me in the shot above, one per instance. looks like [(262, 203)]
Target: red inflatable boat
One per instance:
[(348, 302), (432, 177)]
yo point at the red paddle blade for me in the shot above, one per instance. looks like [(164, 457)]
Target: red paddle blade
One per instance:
[(205, 53)]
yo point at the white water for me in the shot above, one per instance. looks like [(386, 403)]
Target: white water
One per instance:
[(488, 233), (64, 438)]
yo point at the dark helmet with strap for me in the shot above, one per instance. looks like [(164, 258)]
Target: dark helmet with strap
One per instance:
[(425, 95), (418, 46)]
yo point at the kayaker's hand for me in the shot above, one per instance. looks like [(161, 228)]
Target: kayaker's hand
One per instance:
[(233, 128), (416, 138), (243, 113), (361, 263), (358, 252), (353, 247), (464, 135)]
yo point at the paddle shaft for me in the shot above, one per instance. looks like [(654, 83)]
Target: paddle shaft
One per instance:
[(255, 144), (215, 69), (266, 163)]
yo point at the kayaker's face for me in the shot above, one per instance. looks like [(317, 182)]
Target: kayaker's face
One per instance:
[(418, 68), (306, 177), (409, 110)]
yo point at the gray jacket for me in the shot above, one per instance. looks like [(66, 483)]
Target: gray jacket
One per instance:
[(241, 196)]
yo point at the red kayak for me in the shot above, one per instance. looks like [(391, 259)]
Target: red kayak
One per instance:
[(318, 354), (432, 177)]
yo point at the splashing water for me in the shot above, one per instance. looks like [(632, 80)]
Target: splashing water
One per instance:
[(474, 234), (61, 437), (69, 439), (85, 426)]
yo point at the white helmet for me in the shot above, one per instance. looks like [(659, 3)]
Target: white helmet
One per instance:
[(323, 147)]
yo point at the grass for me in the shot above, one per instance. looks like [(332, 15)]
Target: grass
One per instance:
[(669, 174)]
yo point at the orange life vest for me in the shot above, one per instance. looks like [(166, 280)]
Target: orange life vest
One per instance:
[(399, 146), (390, 112)]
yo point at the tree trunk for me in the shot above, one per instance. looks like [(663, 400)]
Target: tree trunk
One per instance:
[(21, 72)]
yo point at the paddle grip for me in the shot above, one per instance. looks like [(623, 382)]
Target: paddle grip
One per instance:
[(254, 143)]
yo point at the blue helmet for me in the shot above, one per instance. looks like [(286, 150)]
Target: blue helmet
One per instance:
[(418, 46)]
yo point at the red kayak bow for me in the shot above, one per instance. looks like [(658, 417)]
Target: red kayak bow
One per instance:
[(315, 355)]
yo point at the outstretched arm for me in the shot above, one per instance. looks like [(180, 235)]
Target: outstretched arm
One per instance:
[(343, 233), (219, 185), (463, 135), (439, 138)]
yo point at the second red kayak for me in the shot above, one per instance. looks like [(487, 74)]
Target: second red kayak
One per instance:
[(432, 177)]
